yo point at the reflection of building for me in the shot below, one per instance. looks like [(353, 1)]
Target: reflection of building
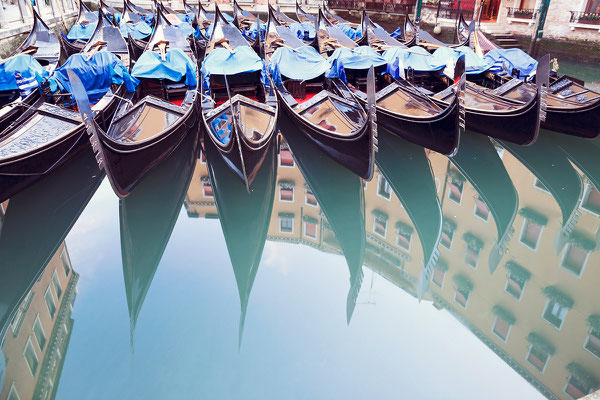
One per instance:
[(36, 340)]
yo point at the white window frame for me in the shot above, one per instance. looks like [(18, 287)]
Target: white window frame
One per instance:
[(567, 384), (586, 196), (210, 196), (282, 165), (496, 334), (55, 282), (316, 230), (29, 343), (476, 261), (587, 339), (65, 259), (285, 232), (38, 321), (13, 391), (550, 323), (510, 294), (384, 231), (49, 290), (479, 216), (409, 242), (451, 240), (287, 201), (564, 256), (461, 195), (525, 220), (529, 362), (466, 303), (306, 200), (441, 286), (387, 185)]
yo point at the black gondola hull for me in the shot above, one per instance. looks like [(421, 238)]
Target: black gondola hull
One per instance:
[(582, 121)]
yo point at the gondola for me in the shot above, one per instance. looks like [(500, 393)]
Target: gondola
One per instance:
[(340, 196), (239, 109), (111, 13), (129, 27), (147, 218), (426, 39), (583, 153), (244, 216), (352, 30), (325, 110), (303, 16), (571, 108), (304, 30), (245, 22), (44, 46), (547, 161), (405, 111), (36, 223), (51, 132), (463, 30), (494, 186), (145, 14), (408, 170), (408, 36), (86, 21), (150, 123), (188, 9)]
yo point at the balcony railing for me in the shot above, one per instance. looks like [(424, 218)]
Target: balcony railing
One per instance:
[(578, 17), (523, 13), (375, 6)]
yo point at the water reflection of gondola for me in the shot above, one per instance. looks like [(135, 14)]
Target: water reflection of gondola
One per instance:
[(244, 216), (147, 217), (552, 168), (340, 195), (37, 221), (582, 152), (408, 171), (478, 161)]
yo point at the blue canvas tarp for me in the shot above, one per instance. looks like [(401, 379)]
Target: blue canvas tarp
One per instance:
[(349, 31), (26, 65), (416, 58), (82, 32), (221, 61), (473, 63), (515, 58), (186, 28), (96, 74), (303, 63), (253, 31), (139, 30), (359, 58), (177, 65), (303, 30)]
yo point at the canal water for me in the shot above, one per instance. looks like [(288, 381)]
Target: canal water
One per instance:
[(464, 278)]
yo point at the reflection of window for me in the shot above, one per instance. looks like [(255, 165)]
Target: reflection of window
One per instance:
[(472, 250), (285, 156), (577, 252), (31, 357), (383, 187), (12, 395), (591, 200), (533, 224), (455, 190), (38, 332), (310, 227), (516, 279), (19, 316), (286, 191), (286, 223), (540, 350), (311, 200), (592, 6), (463, 286), (380, 223), (557, 306), (50, 302), (56, 284), (207, 189), (592, 343), (580, 382), (439, 273), (403, 235), (66, 263), (481, 209), (503, 321), (448, 229)]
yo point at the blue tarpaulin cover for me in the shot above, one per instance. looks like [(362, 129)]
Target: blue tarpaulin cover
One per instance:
[(253, 31), (185, 28), (177, 65), (397, 34), (221, 61), (473, 63), (300, 27), (96, 74), (303, 63), (416, 58), (82, 32), (349, 31), (26, 65), (186, 17), (359, 58), (516, 58), (139, 30)]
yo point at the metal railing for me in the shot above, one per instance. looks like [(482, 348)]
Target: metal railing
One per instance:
[(375, 6), (580, 17), (523, 13)]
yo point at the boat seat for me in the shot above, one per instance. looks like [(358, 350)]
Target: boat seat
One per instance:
[(175, 90), (296, 88)]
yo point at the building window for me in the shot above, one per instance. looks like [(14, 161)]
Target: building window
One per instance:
[(540, 350), (380, 222), (503, 322), (285, 156), (439, 273), (31, 357), (310, 227), (38, 332), (578, 250), (286, 223), (557, 306), (57, 285), (383, 187), (19, 316), (533, 224), (50, 302), (448, 229), (286, 191), (202, 157), (580, 382), (481, 209), (473, 249), (591, 200), (456, 184), (592, 343), (66, 262), (403, 235), (516, 279), (13, 395), (207, 189), (592, 6), (463, 286), (311, 200)]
